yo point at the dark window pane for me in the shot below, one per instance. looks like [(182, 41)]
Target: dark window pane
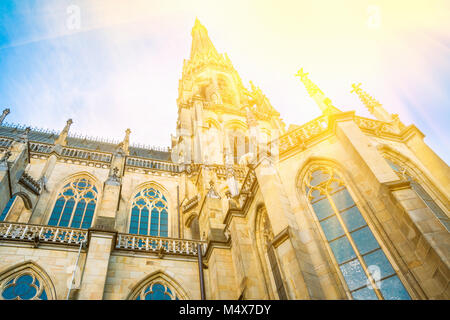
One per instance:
[(56, 212), (332, 228), (342, 250), (364, 240), (366, 293), (393, 165), (392, 289), (379, 260), (7, 207), (354, 275), (322, 209), (342, 199), (353, 218)]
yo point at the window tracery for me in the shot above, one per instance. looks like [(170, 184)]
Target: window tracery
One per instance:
[(75, 205), (25, 285), (365, 268), (149, 213), (157, 291)]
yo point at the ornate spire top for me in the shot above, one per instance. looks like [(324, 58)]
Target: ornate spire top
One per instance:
[(370, 102), (314, 92), (123, 147), (4, 114), (373, 105), (126, 140), (61, 140), (201, 43), (310, 86)]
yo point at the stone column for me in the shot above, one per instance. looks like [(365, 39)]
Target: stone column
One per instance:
[(358, 144), (414, 231), (96, 267), (436, 166), (300, 279), (222, 280), (248, 272)]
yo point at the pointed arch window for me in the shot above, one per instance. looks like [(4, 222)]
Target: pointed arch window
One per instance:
[(157, 291), (149, 213), (7, 208), (25, 285), (365, 268), (75, 205), (422, 193)]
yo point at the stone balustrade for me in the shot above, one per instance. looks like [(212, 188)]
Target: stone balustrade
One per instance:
[(42, 234), (86, 155), (153, 164), (158, 244)]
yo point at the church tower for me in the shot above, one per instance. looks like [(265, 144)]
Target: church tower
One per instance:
[(214, 107)]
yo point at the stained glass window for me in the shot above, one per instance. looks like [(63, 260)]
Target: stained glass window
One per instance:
[(7, 208), (364, 266), (438, 212), (24, 286), (157, 291), (149, 213), (75, 205)]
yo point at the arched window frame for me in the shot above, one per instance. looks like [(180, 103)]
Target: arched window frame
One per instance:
[(407, 169), (164, 193), (158, 277), (62, 185), (362, 207), (268, 259), (28, 268)]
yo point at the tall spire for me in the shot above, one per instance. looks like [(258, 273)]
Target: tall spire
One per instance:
[(314, 92), (201, 43), (61, 140), (4, 114), (373, 105)]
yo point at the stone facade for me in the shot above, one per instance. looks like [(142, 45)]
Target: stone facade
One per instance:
[(240, 208)]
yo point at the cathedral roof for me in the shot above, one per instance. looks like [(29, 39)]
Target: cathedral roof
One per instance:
[(49, 136)]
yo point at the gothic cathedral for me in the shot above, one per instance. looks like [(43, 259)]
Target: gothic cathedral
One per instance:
[(238, 207)]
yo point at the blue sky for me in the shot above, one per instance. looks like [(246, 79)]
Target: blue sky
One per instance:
[(120, 68)]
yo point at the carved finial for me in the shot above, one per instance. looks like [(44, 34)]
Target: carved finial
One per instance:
[(125, 144), (314, 92), (373, 105), (61, 140), (301, 74), (312, 88), (4, 114)]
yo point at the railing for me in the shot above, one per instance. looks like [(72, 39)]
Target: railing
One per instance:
[(41, 234), (153, 164), (303, 133), (191, 203), (86, 155), (376, 126), (5, 143), (40, 147), (239, 172), (158, 245)]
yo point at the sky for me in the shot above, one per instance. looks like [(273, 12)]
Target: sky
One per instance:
[(112, 64)]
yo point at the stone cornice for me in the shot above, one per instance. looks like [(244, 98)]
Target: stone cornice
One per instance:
[(398, 185), (281, 237)]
